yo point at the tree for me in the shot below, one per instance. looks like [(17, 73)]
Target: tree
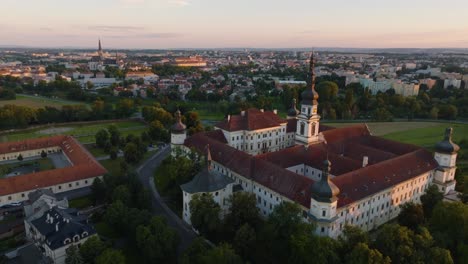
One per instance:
[(98, 190), (292, 238), (102, 138), (131, 153), (89, 85), (411, 215), (113, 154), (434, 114), (123, 167), (448, 224), (43, 154), (157, 241), (92, 248), (192, 120), (205, 214), (121, 193), (73, 255), (430, 199), (194, 253), (382, 114), (221, 254), (352, 235), (20, 157), (327, 90), (242, 210), (115, 215), (111, 256), (114, 135), (157, 131), (245, 241), (124, 108), (396, 242), (361, 253)]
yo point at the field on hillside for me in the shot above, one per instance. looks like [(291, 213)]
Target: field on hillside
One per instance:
[(84, 133), (429, 136), (37, 102)]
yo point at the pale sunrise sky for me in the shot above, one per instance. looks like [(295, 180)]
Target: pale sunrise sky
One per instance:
[(235, 23)]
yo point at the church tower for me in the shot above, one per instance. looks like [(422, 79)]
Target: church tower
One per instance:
[(308, 119), (323, 201), (446, 156), (178, 134), (100, 53)]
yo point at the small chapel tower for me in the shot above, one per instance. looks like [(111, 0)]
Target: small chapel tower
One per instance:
[(178, 134), (307, 128), (446, 156), (324, 201)]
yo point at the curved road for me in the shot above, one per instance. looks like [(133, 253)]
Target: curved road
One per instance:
[(145, 175)]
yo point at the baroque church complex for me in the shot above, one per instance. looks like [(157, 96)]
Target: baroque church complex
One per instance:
[(338, 176)]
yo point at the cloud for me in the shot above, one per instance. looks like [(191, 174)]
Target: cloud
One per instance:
[(45, 29), (132, 1), (115, 28), (149, 36), (180, 2), (310, 31)]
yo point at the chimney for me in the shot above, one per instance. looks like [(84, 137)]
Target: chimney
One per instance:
[(261, 110), (365, 161), (47, 218), (275, 111), (229, 118), (242, 113), (56, 227)]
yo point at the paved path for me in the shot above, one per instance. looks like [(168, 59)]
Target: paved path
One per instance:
[(145, 175)]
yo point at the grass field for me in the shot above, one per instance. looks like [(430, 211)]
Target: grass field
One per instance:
[(84, 133), (40, 164), (38, 102), (424, 134)]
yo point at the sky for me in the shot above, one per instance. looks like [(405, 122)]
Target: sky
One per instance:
[(160, 24)]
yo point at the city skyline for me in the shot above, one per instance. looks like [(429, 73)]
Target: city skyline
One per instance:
[(161, 24)]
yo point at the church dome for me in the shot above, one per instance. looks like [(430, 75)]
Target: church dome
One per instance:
[(446, 145), (178, 127), (293, 110), (325, 190)]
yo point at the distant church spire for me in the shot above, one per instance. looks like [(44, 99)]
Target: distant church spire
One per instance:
[(99, 48)]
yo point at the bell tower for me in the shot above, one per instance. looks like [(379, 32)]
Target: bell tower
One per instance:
[(446, 156), (308, 119), (178, 134)]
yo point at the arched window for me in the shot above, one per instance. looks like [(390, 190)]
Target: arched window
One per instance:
[(302, 128)]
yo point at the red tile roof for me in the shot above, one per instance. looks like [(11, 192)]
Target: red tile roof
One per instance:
[(356, 185), (253, 119), (390, 163), (84, 165)]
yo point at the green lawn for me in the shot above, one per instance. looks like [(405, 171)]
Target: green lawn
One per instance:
[(97, 152), (84, 133), (38, 102), (429, 136), (42, 165), (113, 166), (80, 203)]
